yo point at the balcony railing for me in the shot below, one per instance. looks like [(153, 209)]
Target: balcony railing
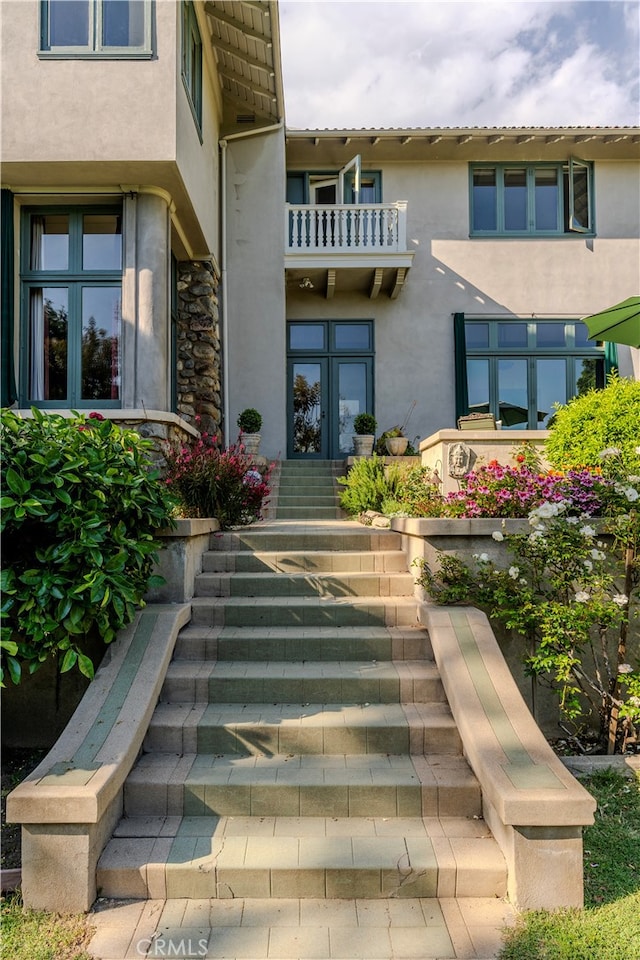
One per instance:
[(346, 228)]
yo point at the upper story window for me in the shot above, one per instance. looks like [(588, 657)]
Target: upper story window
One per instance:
[(192, 60), (71, 274), (531, 199), (95, 28)]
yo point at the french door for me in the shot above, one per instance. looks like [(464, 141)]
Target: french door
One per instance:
[(330, 381)]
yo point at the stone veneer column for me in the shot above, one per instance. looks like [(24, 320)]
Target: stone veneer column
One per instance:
[(199, 357)]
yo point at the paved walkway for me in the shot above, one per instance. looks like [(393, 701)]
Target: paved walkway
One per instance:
[(243, 929)]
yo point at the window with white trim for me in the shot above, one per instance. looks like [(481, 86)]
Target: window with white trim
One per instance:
[(95, 28), (531, 199), (71, 306)]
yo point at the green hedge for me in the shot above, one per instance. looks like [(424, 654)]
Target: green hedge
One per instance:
[(80, 506)]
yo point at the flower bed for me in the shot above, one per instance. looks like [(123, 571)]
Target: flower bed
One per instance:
[(208, 481)]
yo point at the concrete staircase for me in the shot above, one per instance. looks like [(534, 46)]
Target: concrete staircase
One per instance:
[(307, 490), (302, 748)]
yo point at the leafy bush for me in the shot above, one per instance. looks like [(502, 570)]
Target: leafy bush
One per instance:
[(250, 420), (598, 421), (569, 598), (419, 493), (80, 507), (364, 424), (368, 484), (209, 482)]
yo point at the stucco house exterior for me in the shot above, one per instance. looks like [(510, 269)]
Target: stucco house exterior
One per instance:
[(171, 250)]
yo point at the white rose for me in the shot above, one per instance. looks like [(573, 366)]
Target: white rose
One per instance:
[(497, 536), (621, 599), (514, 572), (582, 596)]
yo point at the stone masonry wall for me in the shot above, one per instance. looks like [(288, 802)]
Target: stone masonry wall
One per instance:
[(199, 357)]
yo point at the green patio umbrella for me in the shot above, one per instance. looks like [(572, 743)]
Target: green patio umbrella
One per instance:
[(617, 324)]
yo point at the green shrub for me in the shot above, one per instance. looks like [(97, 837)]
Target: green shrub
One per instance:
[(80, 507), (368, 485), (598, 421), (250, 420), (364, 424), (419, 493), (209, 482)]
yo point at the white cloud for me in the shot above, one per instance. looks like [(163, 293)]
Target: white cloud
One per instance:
[(432, 63)]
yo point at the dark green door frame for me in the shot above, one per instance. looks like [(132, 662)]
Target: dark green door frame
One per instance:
[(329, 380)]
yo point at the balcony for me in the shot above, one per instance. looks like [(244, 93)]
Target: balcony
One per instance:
[(354, 246)]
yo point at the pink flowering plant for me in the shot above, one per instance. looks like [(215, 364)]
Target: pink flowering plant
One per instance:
[(491, 490), (207, 481), (503, 490), (571, 597)]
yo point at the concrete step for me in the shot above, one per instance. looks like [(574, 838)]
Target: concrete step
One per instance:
[(283, 536), (308, 513), (303, 498), (303, 728), (292, 643), (301, 785), (298, 682), (373, 858), (308, 484), (315, 611), (274, 584), (299, 467), (396, 928), (299, 561)]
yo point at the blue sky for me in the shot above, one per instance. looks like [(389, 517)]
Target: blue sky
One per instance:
[(429, 63)]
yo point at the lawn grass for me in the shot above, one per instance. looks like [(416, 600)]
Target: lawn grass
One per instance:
[(609, 926), (36, 935)]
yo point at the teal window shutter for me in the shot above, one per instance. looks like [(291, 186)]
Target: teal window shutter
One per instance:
[(610, 358), (8, 385), (462, 391)]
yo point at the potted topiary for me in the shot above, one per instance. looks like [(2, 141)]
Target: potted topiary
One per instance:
[(250, 422), (364, 425)]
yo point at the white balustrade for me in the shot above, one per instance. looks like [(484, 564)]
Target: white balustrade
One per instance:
[(347, 228)]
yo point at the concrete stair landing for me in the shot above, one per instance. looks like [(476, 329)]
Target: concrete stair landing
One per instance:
[(302, 766)]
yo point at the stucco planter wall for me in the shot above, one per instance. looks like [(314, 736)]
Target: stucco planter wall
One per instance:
[(440, 451), (180, 559)]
